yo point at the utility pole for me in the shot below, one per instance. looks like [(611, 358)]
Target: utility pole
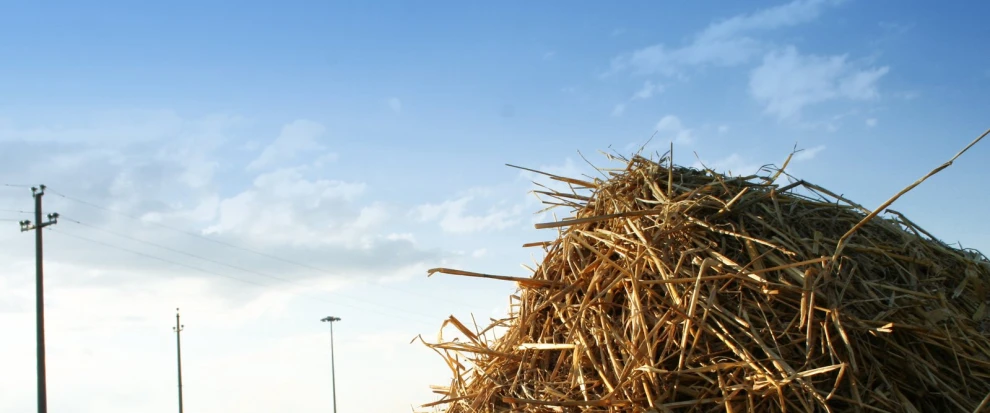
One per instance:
[(333, 373), (40, 291), (178, 348)]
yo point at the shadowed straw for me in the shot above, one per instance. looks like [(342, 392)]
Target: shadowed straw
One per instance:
[(679, 289)]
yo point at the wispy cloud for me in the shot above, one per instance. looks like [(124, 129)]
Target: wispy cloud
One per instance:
[(729, 42), (668, 130), (455, 216), (671, 129), (296, 137), (395, 104), (734, 164), (809, 154), (619, 109), (783, 81), (871, 122), (890, 31), (283, 209), (787, 81), (648, 90)]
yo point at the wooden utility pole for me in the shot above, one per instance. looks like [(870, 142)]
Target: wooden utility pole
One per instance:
[(178, 348), (37, 226)]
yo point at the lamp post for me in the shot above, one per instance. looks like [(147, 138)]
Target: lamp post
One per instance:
[(333, 373)]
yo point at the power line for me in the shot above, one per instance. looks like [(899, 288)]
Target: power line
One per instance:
[(220, 274), (210, 260), (190, 233), (16, 211), (176, 251), (400, 312), (17, 186), (157, 258), (227, 244)]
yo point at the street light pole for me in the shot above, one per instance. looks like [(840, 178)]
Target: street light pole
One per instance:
[(333, 373)]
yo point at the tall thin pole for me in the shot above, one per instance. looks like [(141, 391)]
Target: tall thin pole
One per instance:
[(40, 291), (40, 304), (333, 372), (178, 349), (332, 368)]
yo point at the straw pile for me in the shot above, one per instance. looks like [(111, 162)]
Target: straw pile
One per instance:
[(677, 289)]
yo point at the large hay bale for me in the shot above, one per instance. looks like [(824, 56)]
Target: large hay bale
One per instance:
[(689, 290)]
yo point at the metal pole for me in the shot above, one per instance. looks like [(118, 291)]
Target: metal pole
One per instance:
[(40, 303), (333, 372), (178, 347)]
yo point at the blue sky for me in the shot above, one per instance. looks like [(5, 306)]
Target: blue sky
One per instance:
[(369, 140)]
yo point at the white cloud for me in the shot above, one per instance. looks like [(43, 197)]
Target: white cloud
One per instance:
[(722, 129), (733, 164), (107, 306), (549, 55), (809, 154), (297, 212), (296, 137), (871, 122), (480, 252), (509, 206), (648, 90), (787, 81), (790, 14), (619, 109), (454, 216), (395, 104), (284, 207), (723, 43), (671, 129), (862, 85), (403, 236), (178, 161), (325, 159)]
